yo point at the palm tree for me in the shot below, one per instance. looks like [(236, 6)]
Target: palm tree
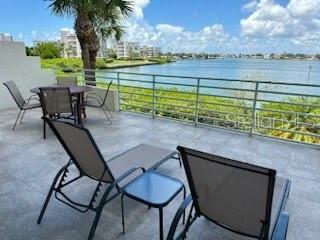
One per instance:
[(93, 19)]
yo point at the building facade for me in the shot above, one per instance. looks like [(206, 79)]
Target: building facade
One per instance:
[(71, 45), (4, 37), (133, 49)]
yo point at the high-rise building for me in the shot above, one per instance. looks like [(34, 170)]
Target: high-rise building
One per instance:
[(5, 37), (133, 49), (71, 45), (128, 49)]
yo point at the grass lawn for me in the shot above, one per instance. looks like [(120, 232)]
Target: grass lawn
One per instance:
[(75, 64)]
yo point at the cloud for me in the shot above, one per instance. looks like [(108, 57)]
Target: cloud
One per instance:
[(298, 21), (250, 6), (176, 38), (20, 35), (169, 29), (138, 6)]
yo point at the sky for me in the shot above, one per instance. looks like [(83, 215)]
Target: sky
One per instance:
[(214, 26)]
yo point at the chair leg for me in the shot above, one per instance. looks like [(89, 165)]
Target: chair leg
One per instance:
[(184, 212), (15, 123), (95, 223), (107, 116), (24, 111), (161, 223), (122, 214), (50, 193), (44, 129)]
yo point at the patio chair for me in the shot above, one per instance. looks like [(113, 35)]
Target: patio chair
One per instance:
[(117, 172), (57, 103), (22, 104), (96, 101), (240, 197), (67, 81)]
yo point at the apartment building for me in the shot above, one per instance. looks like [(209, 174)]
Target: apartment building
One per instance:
[(4, 37), (71, 44), (133, 49), (127, 49)]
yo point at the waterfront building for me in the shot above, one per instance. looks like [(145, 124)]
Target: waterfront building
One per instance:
[(5, 37), (71, 45), (127, 49)]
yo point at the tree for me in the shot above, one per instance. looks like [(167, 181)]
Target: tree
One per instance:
[(48, 50), (93, 19)]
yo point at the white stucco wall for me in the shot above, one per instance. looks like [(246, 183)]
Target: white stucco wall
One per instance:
[(25, 71)]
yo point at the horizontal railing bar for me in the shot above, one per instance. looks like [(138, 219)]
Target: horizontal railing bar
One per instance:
[(220, 96), (173, 112), (135, 100), (175, 106), (228, 88), (134, 80), (177, 99), (224, 104), (289, 103), (139, 94), (173, 91), (290, 131), (136, 87), (217, 79), (136, 106), (222, 112), (288, 93), (177, 84), (286, 112)]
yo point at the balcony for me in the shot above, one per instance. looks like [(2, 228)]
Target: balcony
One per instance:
[(29, 163)]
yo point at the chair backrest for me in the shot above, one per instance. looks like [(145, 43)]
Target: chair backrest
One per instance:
[(107, 92), (235, 195), (56, 100), (67, 81), (82, 149), (15, 93)]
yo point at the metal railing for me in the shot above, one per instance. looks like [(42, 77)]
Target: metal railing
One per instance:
[(289, 111)]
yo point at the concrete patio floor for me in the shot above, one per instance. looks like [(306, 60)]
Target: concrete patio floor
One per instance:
[(28, 164)]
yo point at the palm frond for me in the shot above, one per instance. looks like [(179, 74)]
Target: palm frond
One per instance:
[(61, 7)]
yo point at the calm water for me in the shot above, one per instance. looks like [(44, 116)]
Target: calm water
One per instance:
[(252, 69), (293, 71)]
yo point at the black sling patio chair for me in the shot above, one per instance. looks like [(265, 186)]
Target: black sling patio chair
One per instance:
[(95, 101), (117, 172), (23, 105), (240, 197), (57, 103)]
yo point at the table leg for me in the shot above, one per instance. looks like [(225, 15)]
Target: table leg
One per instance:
[(161, 223), (79, 120)]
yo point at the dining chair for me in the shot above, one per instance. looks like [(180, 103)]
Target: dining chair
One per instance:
[(57, 103), (22, 104), (96, 101)]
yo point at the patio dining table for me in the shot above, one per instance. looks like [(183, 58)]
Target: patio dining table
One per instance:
[(77, 91)]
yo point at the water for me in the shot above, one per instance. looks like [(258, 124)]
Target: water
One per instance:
[(252, 69), (291, 71)]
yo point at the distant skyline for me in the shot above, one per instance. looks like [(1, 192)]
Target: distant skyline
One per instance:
[(220, 26)]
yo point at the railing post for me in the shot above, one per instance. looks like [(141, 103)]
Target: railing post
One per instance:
[(153, 95), (118, 87), (253, 117), (196, 112)]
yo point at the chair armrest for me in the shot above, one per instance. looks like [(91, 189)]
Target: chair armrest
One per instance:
[(94, 95), (177, 216), (282, 226), (33, 97), (115, 183)]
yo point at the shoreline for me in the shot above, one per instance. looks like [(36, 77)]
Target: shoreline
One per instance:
[(130, 65)]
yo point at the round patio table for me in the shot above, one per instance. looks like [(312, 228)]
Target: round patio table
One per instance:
[(77, 91)]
